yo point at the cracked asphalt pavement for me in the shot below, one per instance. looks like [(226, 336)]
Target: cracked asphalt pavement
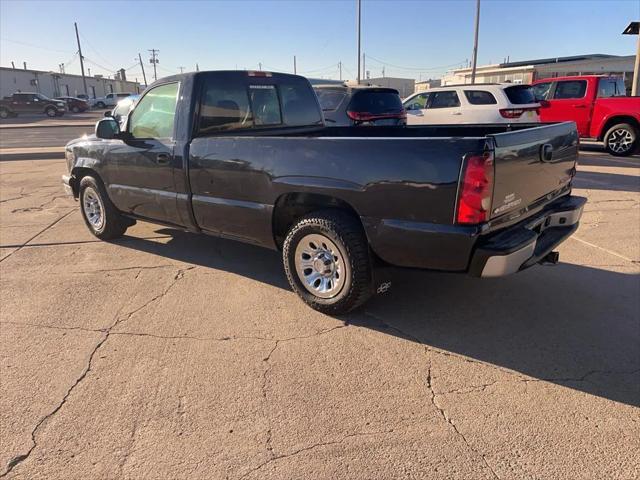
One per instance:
[(167, 355)]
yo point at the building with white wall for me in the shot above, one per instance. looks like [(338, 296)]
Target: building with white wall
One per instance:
[(530, 70), (53, 84)]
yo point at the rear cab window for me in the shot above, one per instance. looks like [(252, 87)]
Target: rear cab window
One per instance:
[(520, 94), (376, 102), (480, 97), (541, 91), (568, 89), (238, 102)]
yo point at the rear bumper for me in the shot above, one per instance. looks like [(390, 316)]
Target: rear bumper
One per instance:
[(460, 248), (527, 243), (66, 184)]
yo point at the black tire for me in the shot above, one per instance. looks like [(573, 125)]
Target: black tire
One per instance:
[(616, 140), (4, 113), (100, 105), (113, 224), (345, 232), (50, 111), (75, 109)]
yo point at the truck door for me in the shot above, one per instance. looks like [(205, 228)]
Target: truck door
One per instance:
[(415, 107), (140, 170), (568, 101), (23, 102)]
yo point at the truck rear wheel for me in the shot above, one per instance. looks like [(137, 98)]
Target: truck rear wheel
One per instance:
[(100, 215), (621, 140), (4, 113), (50, 111), (326, 259)]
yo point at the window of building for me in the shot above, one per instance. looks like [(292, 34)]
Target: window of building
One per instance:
[(480, 97)]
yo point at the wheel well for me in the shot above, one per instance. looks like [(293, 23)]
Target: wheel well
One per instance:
[(291, 206), (77, 174), (615, 120)]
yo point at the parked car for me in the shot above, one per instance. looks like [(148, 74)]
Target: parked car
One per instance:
[(109, 100), (122, 109), (24, 102), (246, 155), (599, 106), (477, 103), (356, 105), (75, 104), (83, 96)]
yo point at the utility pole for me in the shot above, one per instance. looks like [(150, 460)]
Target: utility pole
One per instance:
[(260, 66), (364, 68), (382, 72), (181, 69), (340, 68), (154, 60), (359, 14), (294, 65), (198, 68), (84, 80), (144, 76), (475, 44), (634, 29)]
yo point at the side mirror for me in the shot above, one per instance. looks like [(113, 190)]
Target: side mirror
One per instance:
[(107, 128), (108, 113)]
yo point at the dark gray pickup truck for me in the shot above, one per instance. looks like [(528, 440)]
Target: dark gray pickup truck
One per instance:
[(246, 155)]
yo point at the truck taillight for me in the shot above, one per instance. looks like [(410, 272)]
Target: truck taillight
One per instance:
[(476, 189)]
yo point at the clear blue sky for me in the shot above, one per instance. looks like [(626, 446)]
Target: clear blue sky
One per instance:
[(425, 38)]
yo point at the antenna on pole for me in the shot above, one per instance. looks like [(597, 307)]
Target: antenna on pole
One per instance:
[(84, 80), (475, 44), (359, 14), (155, 61)]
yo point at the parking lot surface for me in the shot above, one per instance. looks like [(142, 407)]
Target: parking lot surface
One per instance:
[(170, 355)]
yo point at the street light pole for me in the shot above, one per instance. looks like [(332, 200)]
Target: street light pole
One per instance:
[(359, 5), (475, 44)]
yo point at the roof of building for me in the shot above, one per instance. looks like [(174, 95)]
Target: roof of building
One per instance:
[(540, 61)]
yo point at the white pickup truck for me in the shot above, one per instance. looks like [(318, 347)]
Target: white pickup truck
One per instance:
[(109, 100)]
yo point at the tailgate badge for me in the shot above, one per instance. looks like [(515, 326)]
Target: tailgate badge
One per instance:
[(509, 202)]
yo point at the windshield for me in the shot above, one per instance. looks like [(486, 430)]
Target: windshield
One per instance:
[(330, 99), (42, 97)]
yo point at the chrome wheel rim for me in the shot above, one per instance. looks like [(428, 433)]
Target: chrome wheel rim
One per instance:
[(51, 112), (620, 140), (93, 208), (320, 266)]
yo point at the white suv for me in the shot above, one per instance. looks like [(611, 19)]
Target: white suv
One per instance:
[(109, 100), (478, 103)]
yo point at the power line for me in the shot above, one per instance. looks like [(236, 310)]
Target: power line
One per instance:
[(96, 52), (35, 46), (419, 69)]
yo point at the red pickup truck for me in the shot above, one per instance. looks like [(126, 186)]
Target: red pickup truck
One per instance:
[(599, 106)]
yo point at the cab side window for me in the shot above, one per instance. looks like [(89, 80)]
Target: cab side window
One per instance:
[(155, 113), (570, 89), (418, 102)]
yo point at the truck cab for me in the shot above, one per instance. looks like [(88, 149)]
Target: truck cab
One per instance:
[(597, 104)]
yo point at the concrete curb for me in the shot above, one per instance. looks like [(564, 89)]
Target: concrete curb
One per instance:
[(40, 125), (36, 153)]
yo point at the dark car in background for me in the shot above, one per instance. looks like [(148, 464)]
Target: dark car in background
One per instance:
[(30, 102), (75, 104), (359, 105)]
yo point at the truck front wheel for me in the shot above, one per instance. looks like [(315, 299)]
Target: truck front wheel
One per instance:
[(50, 111), (327, 262), (100, 215), (621, 140)]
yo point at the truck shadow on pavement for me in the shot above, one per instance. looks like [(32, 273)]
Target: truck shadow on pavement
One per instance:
[(576, 326), (607, 181)]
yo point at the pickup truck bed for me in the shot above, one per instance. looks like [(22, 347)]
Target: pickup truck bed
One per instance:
[(483, 199)]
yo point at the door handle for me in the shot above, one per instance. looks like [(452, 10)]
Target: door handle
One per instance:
[(163, 159)]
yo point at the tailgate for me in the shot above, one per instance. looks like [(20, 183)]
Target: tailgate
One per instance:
[(532, 163)]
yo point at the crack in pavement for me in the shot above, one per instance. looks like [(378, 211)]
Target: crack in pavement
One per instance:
[(447, 418), (20, 247), (18, 459), (313, 446), (140, 268)]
